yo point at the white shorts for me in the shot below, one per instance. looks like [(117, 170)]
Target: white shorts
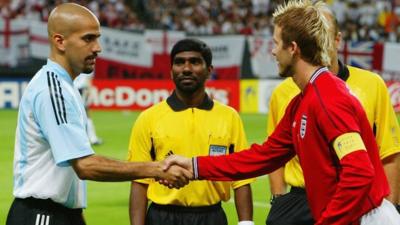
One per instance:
[(385, 214)]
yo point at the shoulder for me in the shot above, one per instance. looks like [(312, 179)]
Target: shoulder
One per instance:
[(361, 74), (155, 110), (286, 87), (222, 108), (284, 92), (329, 90)]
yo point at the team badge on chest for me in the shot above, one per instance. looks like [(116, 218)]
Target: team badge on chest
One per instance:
[(303, 126)]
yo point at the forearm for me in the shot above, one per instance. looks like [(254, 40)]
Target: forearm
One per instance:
[(277, 182), (100, 168), (391, 164), (244, 203), (138, 203), (256, 161)]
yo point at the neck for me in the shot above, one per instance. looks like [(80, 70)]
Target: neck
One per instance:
[(64, 64), (334, 68), (191, 100), (303, 73)]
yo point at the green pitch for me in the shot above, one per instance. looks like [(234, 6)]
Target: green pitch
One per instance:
[(108, 202)]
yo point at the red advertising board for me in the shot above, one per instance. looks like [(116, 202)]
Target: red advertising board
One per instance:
[(141, 94)]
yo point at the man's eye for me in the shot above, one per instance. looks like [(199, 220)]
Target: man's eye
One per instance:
[(88, 38), (179, 61), (195, 61)]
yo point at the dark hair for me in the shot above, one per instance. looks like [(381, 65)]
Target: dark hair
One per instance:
[(195, 45)]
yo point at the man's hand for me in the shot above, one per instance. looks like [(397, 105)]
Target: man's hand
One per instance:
[(179, 161), (174, 176), (176, 165)]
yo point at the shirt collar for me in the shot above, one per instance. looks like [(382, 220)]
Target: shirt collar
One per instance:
[(59, 70), (343, 72), (317, 73), (177, 105)]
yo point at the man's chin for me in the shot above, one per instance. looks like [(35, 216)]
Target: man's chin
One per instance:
[(284, 75), (187, 89), (87, 70)]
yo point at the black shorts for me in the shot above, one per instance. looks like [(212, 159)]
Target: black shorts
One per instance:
[(291, 209), (179, 215), (31, 211)]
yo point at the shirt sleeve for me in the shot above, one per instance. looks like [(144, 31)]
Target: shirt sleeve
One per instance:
[(336, 117), (356, 170), (239, 142), (63, 125), (255, 161), (352, 190), (140, 143), (387, 126)]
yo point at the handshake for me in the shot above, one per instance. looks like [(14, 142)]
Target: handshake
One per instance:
[(176, 171)]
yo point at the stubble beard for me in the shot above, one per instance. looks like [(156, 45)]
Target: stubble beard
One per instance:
[(288, 70)]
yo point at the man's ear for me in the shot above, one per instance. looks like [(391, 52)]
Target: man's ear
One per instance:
[(294, 48), (59, 41), (338, 40), (210, 70)]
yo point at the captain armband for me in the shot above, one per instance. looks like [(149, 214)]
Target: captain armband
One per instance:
[(348, 143)]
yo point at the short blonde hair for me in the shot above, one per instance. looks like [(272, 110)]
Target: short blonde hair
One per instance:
[(303, 22)]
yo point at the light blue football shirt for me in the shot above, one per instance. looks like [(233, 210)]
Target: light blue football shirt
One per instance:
[(51, 130)]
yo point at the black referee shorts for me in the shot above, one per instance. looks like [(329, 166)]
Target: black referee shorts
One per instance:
[(179, 215), (291, 209), (31, 211)]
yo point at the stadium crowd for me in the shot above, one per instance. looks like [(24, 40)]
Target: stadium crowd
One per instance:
[(360, 20)]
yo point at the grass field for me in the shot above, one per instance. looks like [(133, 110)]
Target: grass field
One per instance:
[(108, 202)]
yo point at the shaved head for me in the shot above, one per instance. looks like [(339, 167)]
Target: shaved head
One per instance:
[(67, 18), (74, 34)]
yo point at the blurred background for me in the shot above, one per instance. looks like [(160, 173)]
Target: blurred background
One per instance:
[(137, 36), (132, 72)]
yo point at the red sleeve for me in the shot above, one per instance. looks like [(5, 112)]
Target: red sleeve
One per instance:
[(337, 116), (255, 161), (352, 190)]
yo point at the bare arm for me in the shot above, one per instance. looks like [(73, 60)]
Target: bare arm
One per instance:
[(138, 203), (244, 203), (277, 182), (100, 168), (391, 164)]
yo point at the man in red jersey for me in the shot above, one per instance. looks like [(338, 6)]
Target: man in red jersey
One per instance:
[(325, 125)]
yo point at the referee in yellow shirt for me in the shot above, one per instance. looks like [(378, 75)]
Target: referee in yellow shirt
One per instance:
[(188, 123), (292, 208)]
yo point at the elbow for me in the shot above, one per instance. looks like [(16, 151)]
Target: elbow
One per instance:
[(359, 167), (82, 174), (80, 167)]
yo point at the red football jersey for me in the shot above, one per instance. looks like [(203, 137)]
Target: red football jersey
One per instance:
[(339, 191)]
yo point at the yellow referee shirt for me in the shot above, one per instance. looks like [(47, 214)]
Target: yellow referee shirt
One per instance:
[(169, 127), (373, 95)]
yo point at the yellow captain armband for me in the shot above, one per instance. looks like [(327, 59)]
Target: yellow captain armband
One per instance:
[(348, 143)]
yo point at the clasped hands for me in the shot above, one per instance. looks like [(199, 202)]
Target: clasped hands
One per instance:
[(177, 171)]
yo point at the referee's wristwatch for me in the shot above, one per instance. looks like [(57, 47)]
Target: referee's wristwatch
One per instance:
[(274, 197)]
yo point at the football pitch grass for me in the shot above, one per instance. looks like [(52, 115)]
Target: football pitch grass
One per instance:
[(108, 202)]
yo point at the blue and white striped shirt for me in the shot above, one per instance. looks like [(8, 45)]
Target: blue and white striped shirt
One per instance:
[(51, 131)]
